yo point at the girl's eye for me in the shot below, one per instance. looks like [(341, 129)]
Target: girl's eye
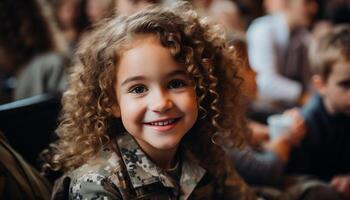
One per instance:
[(177, 83), (138, 89)]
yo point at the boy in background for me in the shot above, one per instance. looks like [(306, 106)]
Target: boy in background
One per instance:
[(324, 151)]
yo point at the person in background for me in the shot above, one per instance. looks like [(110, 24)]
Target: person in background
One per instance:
[(270, 156), (263, 163), (30, 50), (18, 179), (150, 127), (128, 7), (227, 13), (274, 6), (324, 151), (72, 19), (98, 9), (202, 6), (277, 48), (66, 15)]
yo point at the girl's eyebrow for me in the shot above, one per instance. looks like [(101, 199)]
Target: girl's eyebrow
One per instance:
[(177, 72), (140, 78), (131, 79)]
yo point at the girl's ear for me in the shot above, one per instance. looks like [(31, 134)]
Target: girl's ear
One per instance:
[(116, 110), (319, 83)]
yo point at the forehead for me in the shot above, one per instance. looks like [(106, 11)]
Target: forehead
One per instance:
[(145, 55), (145, 48)]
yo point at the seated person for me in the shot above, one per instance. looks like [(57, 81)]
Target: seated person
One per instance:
[(19, 180), (263, 163), (278, 53), (325, 149)]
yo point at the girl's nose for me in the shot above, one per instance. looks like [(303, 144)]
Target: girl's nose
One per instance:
[(161, 103)]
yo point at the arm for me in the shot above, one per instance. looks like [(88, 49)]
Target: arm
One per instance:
[(234, 187), (262, 57), (305, 157), (258, 168)]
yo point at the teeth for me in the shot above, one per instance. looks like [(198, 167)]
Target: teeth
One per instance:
[(163, 123)]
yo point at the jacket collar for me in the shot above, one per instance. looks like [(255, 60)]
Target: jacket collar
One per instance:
[(142, 171)]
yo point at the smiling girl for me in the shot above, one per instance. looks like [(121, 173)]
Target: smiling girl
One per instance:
[(152, 98)]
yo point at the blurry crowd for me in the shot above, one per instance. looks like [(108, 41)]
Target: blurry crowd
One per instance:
[(287, 48), (38, 39)]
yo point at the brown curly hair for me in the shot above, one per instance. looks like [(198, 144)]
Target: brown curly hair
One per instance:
[(87, 122)]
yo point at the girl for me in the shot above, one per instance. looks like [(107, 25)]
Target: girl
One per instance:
[(151, 96)]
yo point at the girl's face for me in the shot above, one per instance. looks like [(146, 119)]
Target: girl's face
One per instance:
[(156, 98)]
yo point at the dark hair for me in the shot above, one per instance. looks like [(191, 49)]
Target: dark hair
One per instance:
[(24, 32)]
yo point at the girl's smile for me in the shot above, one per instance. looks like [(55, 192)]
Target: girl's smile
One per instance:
[(163, 125)]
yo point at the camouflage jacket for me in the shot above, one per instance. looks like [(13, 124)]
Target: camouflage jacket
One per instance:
[(123, 171)]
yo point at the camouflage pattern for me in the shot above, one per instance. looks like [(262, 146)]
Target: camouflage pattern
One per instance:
[(123, 171)]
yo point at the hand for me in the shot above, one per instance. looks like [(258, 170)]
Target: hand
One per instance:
[(341, 183), (280, 146), (298, 129), (304, 98), (260, 133)]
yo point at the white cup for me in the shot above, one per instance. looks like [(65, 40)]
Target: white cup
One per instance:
[(278, 124)]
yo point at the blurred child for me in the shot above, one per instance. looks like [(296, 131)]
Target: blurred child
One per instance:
[(263, 163), (266, 165), (324, 152), (248, 87), (150, 97)]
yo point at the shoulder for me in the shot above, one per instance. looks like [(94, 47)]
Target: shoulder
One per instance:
[(266, 26), (313, 109), (101, 176), (48, 60), (43, 64), (261, 23), (261, 30)]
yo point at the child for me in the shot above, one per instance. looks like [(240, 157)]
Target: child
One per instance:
[(324, 151), (150, 97), (262, 164)]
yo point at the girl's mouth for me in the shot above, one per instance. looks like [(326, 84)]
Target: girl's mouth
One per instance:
[(163, 122), (163, 125)]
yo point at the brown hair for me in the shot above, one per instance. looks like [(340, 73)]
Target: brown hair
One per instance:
[(24, 32), (87, 122), (329, 49)]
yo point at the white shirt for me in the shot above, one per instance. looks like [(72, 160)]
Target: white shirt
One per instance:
[(268, 40)]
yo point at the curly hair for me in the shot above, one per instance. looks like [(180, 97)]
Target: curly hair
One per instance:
[(87, 121)]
